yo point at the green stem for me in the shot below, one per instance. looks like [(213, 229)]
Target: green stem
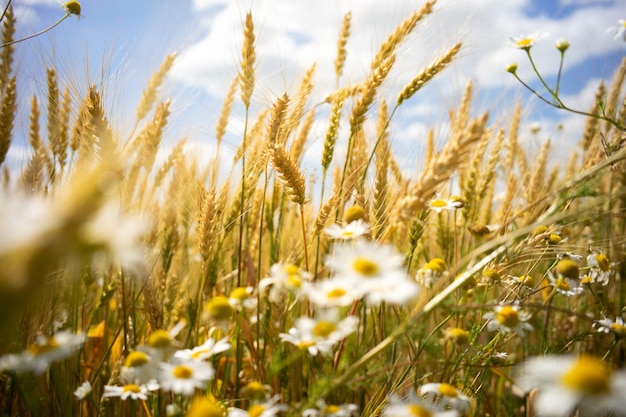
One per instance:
[(41, 32)]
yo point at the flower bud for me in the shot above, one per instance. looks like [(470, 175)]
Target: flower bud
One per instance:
[(512, 67)]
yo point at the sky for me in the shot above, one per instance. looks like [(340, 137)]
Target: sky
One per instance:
[(119, 44)]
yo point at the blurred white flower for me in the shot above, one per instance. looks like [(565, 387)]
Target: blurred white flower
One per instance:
[(620, 30), (568, 382), (508, 319), (132, 391), (270, 408), (527, 41), (184, 377), (413, 406), (446, 396), (352, 230), (83, 390), (284, 279), (204, 351)]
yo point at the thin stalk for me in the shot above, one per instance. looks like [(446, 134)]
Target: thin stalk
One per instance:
[(242, 200), (34, 35), (306, 252)]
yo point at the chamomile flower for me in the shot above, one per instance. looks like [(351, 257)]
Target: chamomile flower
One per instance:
[(352, 230), (205, 351), (526, 42), (599, 268), (439, 204), (568, 382), (205, 406), (284, 279), (620, 30), (566, 278), (333, 292), (376, 269), (321, 334), (446, 396), (413, 406), (160, 341), (524, 282), (607, 325), (457, 336), (508, 319), (138, 368), (183, 377), (269, 408), (431, 272), (132, 391), (330, 410), (241, 297), (43, 352)]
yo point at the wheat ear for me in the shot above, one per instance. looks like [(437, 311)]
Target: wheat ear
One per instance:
[(246, 78), (150, 93), (7, 118), (289, 174), (344, 34)]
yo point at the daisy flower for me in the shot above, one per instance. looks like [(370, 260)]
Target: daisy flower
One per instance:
[(569, 382), (333, 292), (241, 298), (202, 407), (284, 279), (620, 30), (432, 271), (457, 336), (508, 319), (269, 408), (205, 351), (607, 325), (446, 396), (599, 268), (439, 204), (132, 391), (138, 368), (43, 352), (351, 230), (326, 410), (525, 282), (321, 334), (526, 42), (183, 377), (567, 278), (414, 407), (376, 269)]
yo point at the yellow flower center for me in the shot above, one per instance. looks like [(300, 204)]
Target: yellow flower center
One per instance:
[(438, 203), (525, 43), (458, 336), (353, 213), (205, 407), (292, 269), (365, 267), (507, 316), (73, 7), (620, 329), (527, 280), (254, 389), (256, 410), (324, 329), (159, 339), (219, 308), (554, 238), (294, 280), (563, 284), (305, 344), (336, 293), (197, 354), (136, 359), (240, 293), (41, 348), (491, 274), (448, 390), (589, 375), (603, 262), (567, 268), (131, 388), (347, 233), (332, 409), (182, 372), (419, 411)]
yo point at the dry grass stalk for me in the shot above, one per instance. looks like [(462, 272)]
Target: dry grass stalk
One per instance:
[(401, 31), (7, 118), (368, 94), (149, 95), (572, 166), (470, 180), (6, 53), (246, 77), (536, 184), (62, 140), (297, 147), (254, 135), (430, 147), (428, 74), (344, 34), (289, 174), (222, 121), (463, 113), (512, 143)]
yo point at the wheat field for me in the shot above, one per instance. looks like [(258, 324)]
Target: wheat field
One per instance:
[(489, 284)]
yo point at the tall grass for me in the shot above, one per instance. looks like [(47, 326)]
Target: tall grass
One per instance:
[(182, 294)]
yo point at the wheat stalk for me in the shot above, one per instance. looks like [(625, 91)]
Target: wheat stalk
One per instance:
[(7, 118), (428, 74), (6, 53), (344, 34), (246, 77), (149, 95), (297, 147), (289, 174)]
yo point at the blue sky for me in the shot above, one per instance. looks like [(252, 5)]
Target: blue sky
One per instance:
[(121, 43)]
